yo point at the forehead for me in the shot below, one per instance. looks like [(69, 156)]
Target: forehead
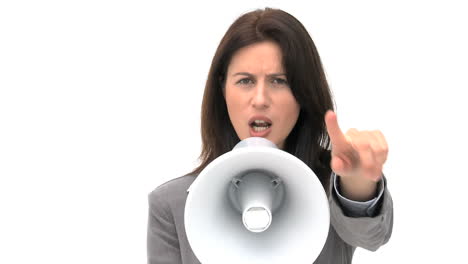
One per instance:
[(260, 57)]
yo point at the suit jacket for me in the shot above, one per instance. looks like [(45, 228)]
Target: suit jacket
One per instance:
[(167, 241)]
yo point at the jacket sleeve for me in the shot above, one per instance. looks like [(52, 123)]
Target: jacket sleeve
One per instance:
[(358, 208), (162, 243), (365, 232)]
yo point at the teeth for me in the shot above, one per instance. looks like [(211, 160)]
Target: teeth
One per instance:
[(260, 122), (258, 129), (260, 125)]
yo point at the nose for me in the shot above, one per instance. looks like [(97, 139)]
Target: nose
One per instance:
[(261, 98)]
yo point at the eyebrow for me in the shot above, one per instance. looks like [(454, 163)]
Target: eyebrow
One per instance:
[(250, 75)]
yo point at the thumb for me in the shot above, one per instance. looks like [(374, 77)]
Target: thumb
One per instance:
[(338, 165)]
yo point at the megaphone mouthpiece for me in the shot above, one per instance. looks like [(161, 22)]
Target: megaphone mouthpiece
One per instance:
[(256, 195), (256, 219)]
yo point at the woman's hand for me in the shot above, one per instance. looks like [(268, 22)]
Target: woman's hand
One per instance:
[(357, 157)]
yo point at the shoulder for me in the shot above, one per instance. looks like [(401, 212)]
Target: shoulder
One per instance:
[(172, 192)]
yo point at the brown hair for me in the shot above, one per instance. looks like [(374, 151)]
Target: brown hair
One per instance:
[(308, 140)]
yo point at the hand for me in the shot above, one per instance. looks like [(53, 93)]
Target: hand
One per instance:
[(357, 157)]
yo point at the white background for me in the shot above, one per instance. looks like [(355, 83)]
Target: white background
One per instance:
[(100, 103)]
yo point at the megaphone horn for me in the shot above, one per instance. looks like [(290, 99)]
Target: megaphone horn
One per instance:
[(256, 204)]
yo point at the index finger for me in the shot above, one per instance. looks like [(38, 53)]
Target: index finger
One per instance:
[(336, 135)]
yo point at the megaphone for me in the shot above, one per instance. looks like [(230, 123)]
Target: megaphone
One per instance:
[(256, 204)]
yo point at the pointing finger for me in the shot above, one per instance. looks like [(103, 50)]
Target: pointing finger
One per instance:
[(336, 135)]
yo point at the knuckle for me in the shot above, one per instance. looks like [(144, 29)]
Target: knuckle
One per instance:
[(367, 166), (380, 150), (362, 145)]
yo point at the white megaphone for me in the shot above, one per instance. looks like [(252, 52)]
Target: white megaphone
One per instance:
[(256, 204)]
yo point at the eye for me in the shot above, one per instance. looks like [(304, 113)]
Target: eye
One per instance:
[(280, 81), (245, 81)]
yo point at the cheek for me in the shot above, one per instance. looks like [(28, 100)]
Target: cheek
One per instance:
[(293, 119), (290, 115), (230, 96), (296, 111), (291, 109), (234, 107)]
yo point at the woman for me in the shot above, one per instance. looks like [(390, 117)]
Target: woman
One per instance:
[(267, 80)]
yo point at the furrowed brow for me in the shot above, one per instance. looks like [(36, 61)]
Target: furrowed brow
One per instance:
[(251, 75), (277, 74), (242, 73)]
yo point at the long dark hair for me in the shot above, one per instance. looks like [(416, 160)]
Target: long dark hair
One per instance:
[(308, 140)]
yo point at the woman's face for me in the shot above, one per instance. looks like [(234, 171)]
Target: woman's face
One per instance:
[(259, 100)]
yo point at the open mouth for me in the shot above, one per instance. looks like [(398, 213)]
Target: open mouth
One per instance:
[(259, 125)]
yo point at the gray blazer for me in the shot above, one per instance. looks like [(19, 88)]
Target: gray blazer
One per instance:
[(167, 241)]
